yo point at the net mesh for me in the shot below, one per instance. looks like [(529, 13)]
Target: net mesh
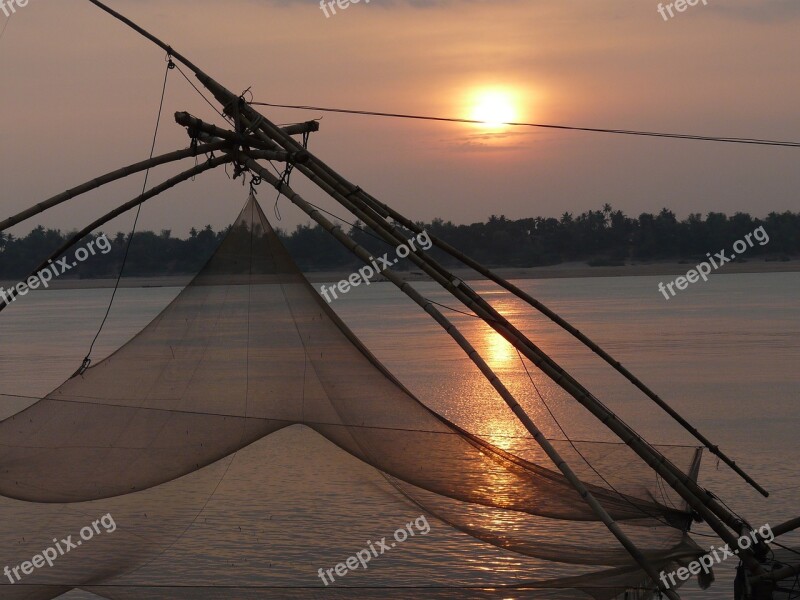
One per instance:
[(249, 349)]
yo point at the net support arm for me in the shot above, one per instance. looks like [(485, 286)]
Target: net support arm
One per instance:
[(388, 211), (786, 527), (476, 358), (138, 167), (196, 126), (152, 193), (109, 178), (300, 128), (698, 498), (347, 194)]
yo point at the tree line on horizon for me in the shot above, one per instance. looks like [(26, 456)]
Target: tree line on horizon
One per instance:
[(599, 238)]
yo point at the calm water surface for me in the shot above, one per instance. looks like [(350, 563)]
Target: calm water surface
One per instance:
[(726, 354)]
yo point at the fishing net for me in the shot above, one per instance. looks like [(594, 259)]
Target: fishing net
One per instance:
[(155, 434)]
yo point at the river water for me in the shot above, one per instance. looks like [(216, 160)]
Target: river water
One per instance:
[(726, 354)]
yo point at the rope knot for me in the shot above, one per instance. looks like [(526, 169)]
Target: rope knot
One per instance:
[(87, 362)]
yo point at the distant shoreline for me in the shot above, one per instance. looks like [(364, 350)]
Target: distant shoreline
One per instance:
[(573, 270)]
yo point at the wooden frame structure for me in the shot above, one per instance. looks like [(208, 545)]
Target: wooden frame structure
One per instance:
[(255, 138)]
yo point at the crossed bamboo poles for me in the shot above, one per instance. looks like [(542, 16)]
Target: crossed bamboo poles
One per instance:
[(266, 141)]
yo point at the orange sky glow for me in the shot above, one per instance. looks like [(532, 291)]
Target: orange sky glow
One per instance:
[(80, 93)]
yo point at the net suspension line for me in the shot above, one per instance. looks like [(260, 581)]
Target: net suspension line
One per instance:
[(87, 361)]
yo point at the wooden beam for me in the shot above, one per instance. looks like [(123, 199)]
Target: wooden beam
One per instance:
[(298, 128), (110, 177), (196, 126), (340, 189), (786, 527), (152, 193), (485, 369), (344, 192)]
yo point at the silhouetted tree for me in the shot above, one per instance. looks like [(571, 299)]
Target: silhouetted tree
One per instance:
[(605, 236)]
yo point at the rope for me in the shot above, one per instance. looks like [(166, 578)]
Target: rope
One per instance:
[(255, 181), (455, 310), (353, 225), (733, 512), (679, 136), (87, 361), (337, 217), (792, 550), (575, 448), (287, 174), (202, 95), (331, 424)]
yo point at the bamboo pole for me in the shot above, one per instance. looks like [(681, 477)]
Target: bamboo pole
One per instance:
[(110, 177), (476, 358), (715, 514), (152, 193), (298, 128), (786, 527), (196, 126), (563, 378), (147, 35), (388, 211), (697, 497), (149, 164)]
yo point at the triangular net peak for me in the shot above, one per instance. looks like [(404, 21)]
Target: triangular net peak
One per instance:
[(246, 349)]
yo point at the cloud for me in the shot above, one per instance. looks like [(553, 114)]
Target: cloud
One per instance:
[(490, 141), (765, 11)]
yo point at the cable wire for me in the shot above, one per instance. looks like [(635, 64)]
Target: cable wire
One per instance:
[(87, 361), (583, 457), (487, 435), (202, 95), (679, 136), (792, 550)]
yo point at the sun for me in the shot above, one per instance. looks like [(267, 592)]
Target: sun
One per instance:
[(493, 108)]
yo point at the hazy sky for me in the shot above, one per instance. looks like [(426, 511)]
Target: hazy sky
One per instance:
[(79, 96)]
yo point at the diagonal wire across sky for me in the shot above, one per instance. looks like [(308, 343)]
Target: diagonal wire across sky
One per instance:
[(679, 136)]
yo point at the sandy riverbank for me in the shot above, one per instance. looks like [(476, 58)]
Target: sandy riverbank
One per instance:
[(564, 270)]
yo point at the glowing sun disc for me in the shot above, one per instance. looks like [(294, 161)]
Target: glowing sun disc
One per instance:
[(494, 109)]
